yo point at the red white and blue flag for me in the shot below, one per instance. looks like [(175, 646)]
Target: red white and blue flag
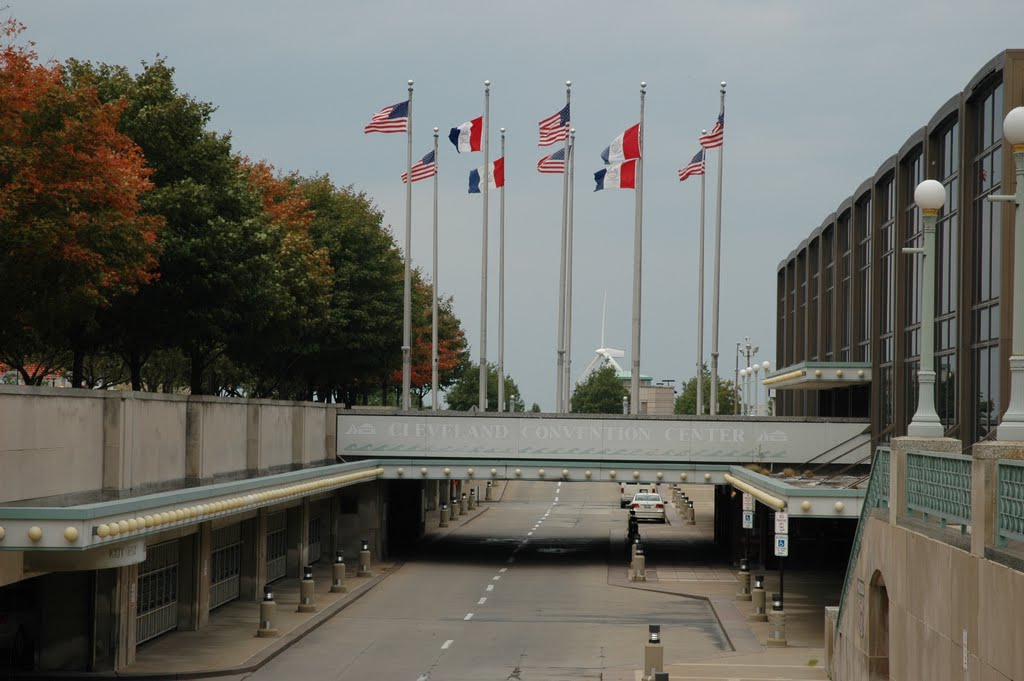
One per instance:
[(468, 136), (616, 176), (394, 118), (495, 178), (553, 163), (422, 169), (694, 167), (714, 138), (624, 147), (554, 128)]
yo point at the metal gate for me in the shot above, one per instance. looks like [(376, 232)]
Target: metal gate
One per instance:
[(225, 565), (277, 545), (315, 532), (157, 610)]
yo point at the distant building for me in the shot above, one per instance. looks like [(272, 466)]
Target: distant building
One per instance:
[(655, 400)]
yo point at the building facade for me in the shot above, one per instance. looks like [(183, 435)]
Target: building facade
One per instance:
[(849, 300)]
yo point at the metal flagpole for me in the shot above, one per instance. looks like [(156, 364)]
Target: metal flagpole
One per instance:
[(482, 404), (718, 272), (634, 379), (501, 289), (560, 351), (407, 308), (700, 297), (567, 384), (433, 313)]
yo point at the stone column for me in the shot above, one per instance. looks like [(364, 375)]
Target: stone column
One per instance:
[(985, 490), (202, 587), (194, 439)]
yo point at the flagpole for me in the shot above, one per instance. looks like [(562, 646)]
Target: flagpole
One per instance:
[(700, 295), (482, 404), (407, 309), (634, 378), (559, 371), (501, 288), (433, 312), (718, 264), (571, 161)]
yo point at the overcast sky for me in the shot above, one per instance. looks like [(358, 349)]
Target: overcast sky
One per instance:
[(819, 94)]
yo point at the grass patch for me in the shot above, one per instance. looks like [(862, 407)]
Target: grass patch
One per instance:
[(812, 662)]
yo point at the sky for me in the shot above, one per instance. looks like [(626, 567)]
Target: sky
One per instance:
[(819, 94)]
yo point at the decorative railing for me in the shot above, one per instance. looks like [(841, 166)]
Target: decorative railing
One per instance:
[(875, 497), (939, 485), (1010, 502)]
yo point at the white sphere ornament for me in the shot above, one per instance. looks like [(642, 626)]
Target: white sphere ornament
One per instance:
[(519, 472), (805, 505), (840, 506), (103, 531), (612, 474), (587, 474), (540, 472), (1013, 126), (930, 195), (682, 476), (423, 471), (35, 533), (71, 533), (470, 471), (401, 472), (707, 476), (636, 475), (659, 475), (494, 471), (766, 365), (565, 472), (447, 471)]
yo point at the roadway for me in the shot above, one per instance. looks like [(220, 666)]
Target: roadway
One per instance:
[(522, 592)]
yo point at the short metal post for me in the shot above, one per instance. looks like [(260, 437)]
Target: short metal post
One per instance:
[(268, 613), (444, 516), (453, 510), (777, 623), (743, 578), (639, 565), (693, 514), (338, 582), (364, 561), (472, 499), (307, 596), (654, 653), (757, 601), (462, 504), (487, 494)]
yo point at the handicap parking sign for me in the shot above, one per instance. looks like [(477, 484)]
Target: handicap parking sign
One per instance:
[(782, 545), (748, 520)]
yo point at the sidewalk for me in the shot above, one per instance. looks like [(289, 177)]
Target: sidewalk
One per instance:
[(699, 574)]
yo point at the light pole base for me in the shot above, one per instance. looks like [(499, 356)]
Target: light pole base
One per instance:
[(929, 429)]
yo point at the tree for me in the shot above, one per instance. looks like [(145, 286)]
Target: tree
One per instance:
[(464, 395), (600, 393), (686, 402), (71, 223)]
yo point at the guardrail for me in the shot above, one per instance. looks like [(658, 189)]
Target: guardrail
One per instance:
[(1010, 502), (939, 485)]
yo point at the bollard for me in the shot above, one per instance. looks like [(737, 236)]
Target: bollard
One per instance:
[(462, 504), (364, 561), (639, 566), (472, 499), (268, 611), (452, 510), (654, 654), (743, 577), (660, 676), (777, 624), (693, 514), (487, 494), (444, 516), (338, 583), (757, 598), (306, 587)]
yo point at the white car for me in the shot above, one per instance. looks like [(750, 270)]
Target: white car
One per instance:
[(627, 490), (648, 506)]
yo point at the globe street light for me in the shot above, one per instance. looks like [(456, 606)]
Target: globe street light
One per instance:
[(929, 196), (1012, 425), (766, 365), (743, 390), (757, 388)]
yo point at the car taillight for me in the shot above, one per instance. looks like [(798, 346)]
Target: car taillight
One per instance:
[(659, 506), (634, 505)]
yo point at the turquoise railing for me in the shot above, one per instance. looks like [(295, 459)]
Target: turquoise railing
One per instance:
[(1010, 502), (875, 497), (940, 485)]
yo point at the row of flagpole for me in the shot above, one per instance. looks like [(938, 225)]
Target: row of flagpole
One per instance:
[(623, 156)]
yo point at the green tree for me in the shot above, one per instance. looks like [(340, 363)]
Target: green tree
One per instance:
[(686, 402), (465, 392), (600, 393)]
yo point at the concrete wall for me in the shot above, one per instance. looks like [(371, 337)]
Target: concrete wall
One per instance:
[(76, 443)]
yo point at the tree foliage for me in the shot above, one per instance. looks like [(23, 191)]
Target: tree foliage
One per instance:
[(686, 402), (600, 393), (464, 395)]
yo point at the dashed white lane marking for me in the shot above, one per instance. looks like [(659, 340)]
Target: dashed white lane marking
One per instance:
[(503, 570), (495, 578), (482, 601), (490, 587), (447, 644), (529, 534), (556, 498), (468, 616), (423, 678)]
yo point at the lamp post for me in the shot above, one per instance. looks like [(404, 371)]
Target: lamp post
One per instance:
[(757, 388), (766, 365), (929, 196), (1011, 427), (743, 391)]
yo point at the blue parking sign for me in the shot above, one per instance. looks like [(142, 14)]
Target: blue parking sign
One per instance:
[(782, 545)]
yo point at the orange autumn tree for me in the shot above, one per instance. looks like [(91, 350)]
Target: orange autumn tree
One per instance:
[(452, 348), (70, 225)]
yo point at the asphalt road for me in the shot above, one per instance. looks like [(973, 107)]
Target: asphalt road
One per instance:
[(520, 593)]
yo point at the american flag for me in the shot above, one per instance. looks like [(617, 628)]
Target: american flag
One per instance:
[(554, 163), (394, 118), (423, 168), (714, 138), (694, 167), (554, 128)]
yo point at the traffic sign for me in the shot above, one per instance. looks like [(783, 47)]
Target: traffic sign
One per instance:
[(748, 520), (781, 522), (748, 502), (782, 545)]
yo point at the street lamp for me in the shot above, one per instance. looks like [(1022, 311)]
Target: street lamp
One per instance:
[(929, 196), (1011, 427), (750, 388), (743, 391), (757, 388), (766, 365)]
